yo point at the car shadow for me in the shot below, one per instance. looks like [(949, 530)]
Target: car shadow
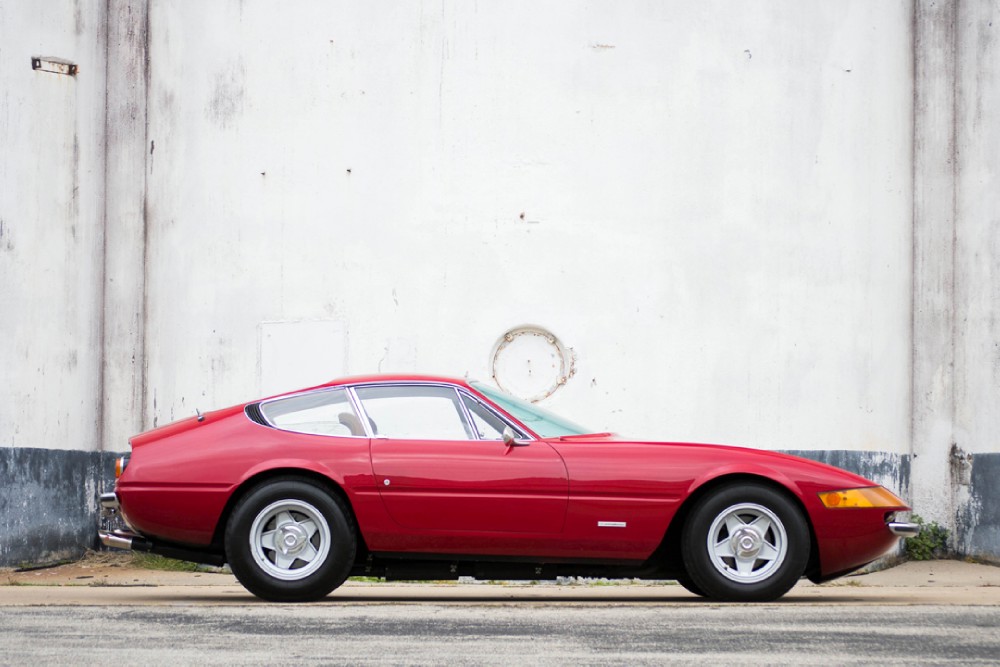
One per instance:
[(604, 600)]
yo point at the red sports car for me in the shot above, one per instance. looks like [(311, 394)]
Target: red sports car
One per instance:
[(417, 477)]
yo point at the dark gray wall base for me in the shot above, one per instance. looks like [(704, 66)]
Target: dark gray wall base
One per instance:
[(978, 522), (49, 509), (48, 503), (890, 470), (976, 486)]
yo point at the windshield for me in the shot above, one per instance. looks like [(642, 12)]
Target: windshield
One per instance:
[(539, 420)]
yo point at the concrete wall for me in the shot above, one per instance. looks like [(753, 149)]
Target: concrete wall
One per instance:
[(977, 286), (710, 204), (769, 225), (956, 376), (52, 194), (51, 231)]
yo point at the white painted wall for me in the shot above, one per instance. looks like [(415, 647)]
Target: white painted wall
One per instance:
[(710, 203), (768, 224), (51, 233), (957, 284), (978, 232)]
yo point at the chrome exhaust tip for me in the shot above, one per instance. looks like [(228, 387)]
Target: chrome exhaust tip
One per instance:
[(121, 539), (115, 541)]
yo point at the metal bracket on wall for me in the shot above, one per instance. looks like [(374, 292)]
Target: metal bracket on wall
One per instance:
[(54, 65)]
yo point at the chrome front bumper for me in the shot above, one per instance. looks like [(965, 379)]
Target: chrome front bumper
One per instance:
[(903, 529)]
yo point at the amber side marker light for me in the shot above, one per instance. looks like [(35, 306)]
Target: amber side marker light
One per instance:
[(873, 496), (120, 464)]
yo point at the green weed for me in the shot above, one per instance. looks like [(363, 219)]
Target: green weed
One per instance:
[(931, 543)]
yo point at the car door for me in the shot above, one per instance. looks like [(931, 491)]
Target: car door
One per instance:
[(437, 471)]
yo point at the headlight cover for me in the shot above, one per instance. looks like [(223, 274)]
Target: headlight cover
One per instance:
[(872, 496)]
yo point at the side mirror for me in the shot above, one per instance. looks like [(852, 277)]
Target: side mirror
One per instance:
[(510, 440)]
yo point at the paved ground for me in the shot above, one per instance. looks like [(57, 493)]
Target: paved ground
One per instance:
[(112, 580), (941, 612)]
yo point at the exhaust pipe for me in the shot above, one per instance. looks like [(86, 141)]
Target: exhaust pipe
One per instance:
[(132, 542), (110, 540), (123, 540)]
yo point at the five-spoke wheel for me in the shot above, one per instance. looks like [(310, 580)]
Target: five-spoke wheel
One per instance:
[(746, 542), (290, 540)]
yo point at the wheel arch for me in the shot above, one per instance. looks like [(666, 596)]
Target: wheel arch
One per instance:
[(669, 551), (258, 478)]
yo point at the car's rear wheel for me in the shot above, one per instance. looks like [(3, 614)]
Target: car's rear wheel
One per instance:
[(745, 542), (290, 540)]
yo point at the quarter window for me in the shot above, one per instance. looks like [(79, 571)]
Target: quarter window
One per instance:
[(327, 412)]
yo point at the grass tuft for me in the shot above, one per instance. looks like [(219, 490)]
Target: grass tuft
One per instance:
[(148, 561)]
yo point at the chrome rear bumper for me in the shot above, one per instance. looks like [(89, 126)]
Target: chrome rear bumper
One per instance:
[(109, 504), (903, 529), (132, 541), (119, 539)]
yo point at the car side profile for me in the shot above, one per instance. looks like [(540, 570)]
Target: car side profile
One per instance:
[(423, 477)]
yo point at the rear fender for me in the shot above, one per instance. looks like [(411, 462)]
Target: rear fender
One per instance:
[(286, 468)]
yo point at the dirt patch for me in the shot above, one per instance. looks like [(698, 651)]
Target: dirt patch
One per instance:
[(111, 569)]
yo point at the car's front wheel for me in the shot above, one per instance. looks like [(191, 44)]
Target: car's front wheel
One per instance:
[(690, 586), (745, 542), (290, 540)]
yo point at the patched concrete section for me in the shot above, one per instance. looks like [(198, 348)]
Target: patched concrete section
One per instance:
[(48, 502), (978, 522), (890, 470)]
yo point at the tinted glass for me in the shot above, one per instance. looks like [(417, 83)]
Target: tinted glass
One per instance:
[(541, 421)]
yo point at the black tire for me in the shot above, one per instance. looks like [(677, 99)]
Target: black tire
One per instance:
[(690, 586), (745, 542), (290, 540)]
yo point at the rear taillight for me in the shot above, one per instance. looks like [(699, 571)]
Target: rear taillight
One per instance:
[(120, 464)]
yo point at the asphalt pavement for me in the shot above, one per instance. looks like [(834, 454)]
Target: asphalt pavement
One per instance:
[(939, 612)]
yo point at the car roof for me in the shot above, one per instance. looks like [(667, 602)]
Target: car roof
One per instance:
[(383, 378)]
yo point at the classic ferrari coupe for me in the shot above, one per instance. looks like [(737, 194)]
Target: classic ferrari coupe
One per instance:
[(418, 477)]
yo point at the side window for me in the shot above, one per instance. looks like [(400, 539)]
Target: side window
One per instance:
[(487, 424), (415, 412), (326, 412)]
